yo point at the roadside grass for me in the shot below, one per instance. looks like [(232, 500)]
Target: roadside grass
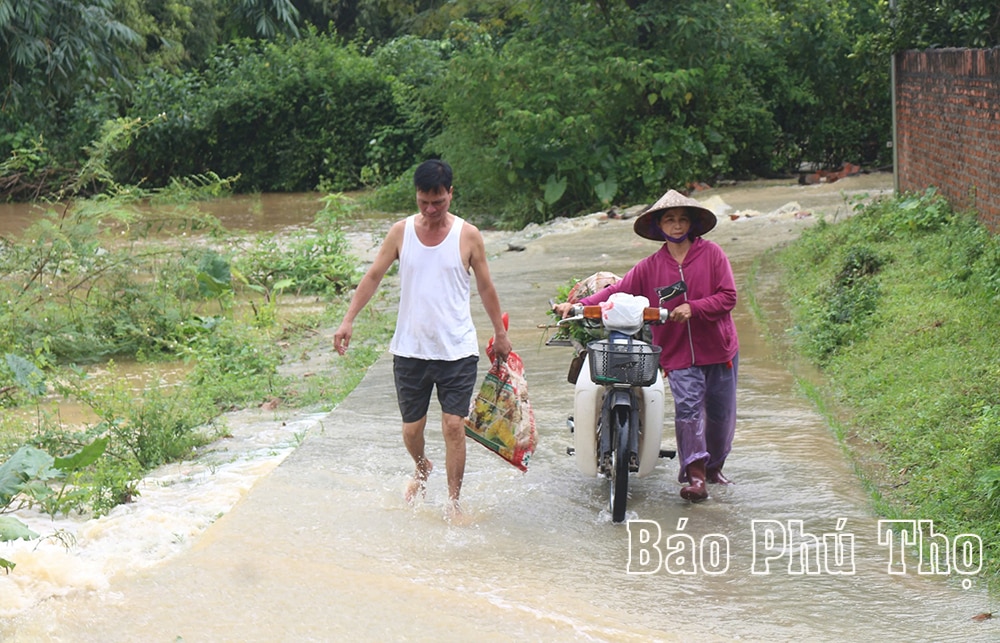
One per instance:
[(323, 390), (899, 308)]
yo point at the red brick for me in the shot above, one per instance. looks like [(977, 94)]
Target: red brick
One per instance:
[(948, 126)]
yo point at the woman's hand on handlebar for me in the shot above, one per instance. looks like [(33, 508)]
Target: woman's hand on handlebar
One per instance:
[(564, 309), (681, 314)]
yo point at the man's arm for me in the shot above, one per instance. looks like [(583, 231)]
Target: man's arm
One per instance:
[(487, 291), (388, 253)]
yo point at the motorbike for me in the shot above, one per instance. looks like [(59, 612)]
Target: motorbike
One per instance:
[(617, 420)]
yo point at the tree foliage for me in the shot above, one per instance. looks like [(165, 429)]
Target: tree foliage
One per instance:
[(615, 100), (545, 108), (284, 116), (923, 24), (266, 18), (75, 44)]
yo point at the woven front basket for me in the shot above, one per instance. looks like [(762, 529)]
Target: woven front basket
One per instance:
[(633, 363)]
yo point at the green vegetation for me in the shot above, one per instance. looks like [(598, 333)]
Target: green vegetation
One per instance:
[(923, 24), (286, 117), (544, 108), (898, 306), (144, 276)]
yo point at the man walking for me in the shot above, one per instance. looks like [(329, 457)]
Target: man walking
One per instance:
[(435, 343)]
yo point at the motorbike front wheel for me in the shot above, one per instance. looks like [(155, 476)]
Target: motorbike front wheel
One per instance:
[(619, 463)]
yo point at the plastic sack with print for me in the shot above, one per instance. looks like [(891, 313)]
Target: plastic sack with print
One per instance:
[(500, 416)]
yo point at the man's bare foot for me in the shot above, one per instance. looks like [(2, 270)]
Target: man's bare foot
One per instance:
[(454, 515), (418, 485)]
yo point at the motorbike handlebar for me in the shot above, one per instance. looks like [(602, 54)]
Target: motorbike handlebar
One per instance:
[(649, 314)]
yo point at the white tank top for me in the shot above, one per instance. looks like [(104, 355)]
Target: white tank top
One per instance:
[(434, 320)]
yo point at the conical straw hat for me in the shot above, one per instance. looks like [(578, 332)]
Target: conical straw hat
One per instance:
[(647, 224)]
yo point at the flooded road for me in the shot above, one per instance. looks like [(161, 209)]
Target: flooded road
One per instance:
[(316, 543)]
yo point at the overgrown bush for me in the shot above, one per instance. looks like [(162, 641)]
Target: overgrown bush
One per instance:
[(561, 119), (232, 367), (284, 116), (78, 288), (312, 262), (549, 107), (144, 275), (583, 107)]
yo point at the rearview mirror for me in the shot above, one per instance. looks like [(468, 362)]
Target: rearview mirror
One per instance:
[(666, 293)]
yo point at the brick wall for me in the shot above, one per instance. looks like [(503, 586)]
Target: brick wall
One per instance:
[(948, 127)]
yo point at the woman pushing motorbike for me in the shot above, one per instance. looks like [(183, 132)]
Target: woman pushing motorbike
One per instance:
[(700, 353)]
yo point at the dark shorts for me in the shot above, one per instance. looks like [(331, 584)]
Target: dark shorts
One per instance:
[(455, 382)]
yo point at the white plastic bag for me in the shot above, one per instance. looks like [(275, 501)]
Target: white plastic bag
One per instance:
[(623, 312)]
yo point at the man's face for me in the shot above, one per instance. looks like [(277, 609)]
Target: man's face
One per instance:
[(434, 204)]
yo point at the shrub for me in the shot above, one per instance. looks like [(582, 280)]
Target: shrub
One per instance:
[(283, 116), (313, 262), (842, 311)]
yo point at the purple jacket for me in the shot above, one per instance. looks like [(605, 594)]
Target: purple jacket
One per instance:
[(709, 337)]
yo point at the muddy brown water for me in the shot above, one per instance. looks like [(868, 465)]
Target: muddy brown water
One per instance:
[(304, 535), (250, 212)]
